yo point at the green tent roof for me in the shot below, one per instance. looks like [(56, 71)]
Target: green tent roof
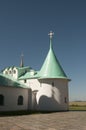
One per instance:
[(51, 67)]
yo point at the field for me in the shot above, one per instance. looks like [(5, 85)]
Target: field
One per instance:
[(77, 105)]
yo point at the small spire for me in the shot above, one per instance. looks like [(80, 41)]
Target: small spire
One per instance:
[(51, 34), (22, 63)]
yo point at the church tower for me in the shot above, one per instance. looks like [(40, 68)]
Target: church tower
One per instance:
[(53, 94)]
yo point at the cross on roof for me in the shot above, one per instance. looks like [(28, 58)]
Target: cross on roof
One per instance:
[(51, 34)]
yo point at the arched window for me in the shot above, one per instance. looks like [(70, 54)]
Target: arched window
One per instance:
[(6, 72), (25, 81), (52, 84), (14, 71), (65, 100), (1, 100), (10, 72), (20, 100)]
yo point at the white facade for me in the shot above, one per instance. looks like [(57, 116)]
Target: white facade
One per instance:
[(44, 95), (49, 94), (10, 98), (53, 95)]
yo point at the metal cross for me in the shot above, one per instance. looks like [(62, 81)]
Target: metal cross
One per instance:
[(51, 34)]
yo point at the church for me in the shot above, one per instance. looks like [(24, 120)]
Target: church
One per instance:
[(24, 88)]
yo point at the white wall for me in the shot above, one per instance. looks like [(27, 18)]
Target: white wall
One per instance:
[(11, 97), (45, 95), (52, 98), (11, 72), (34, 84)]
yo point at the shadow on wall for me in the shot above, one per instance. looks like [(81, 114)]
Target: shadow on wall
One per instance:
[(48, 104)]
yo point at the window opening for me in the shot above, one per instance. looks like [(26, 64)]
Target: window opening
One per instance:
[(53, 84), (14, 71), (65, 100), (25, 81), (10, 72), (1, 100), (6, 72), (20, 100)]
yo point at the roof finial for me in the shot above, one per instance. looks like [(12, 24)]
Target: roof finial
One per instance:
[(51, 34), (22, 64)]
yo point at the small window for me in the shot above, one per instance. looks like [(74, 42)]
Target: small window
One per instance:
[(20, 100), (6, 72), (14, 71), (53, 84), (1, 100), (65, 100), (10, 72), (25, 81)]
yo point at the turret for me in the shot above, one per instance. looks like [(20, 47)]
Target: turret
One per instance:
[(53, 94)]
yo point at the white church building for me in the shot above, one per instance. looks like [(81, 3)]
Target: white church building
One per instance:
[(23, 88)]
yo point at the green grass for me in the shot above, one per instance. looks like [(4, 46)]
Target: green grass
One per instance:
[(77, 108)]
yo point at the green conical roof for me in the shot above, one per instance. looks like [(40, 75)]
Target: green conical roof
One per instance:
[(51, 67)]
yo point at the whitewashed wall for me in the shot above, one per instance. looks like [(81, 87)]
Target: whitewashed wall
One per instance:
[(34, 84), (52, 98), (11, 98)]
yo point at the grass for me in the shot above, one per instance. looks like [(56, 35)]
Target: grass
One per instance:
[(77, 106)]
